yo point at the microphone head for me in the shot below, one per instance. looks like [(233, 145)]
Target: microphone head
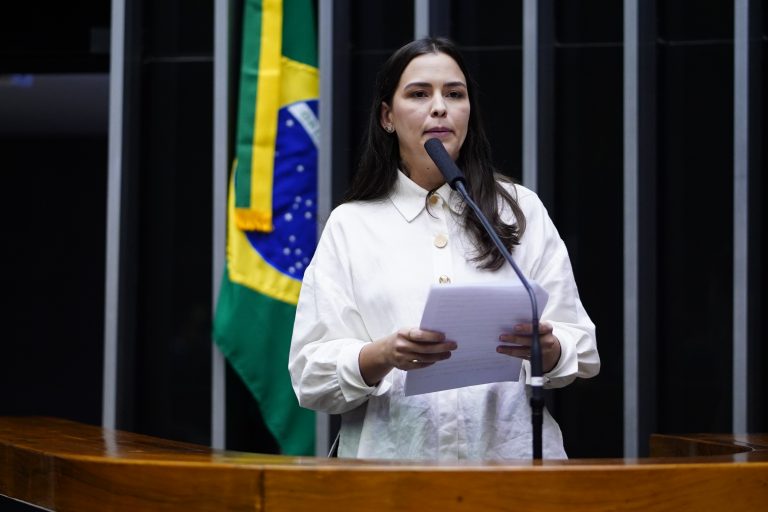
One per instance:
[(444, 162)]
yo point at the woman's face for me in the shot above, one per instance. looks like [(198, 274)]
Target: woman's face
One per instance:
[(431, 101)]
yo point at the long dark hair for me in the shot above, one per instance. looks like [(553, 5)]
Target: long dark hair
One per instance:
[(380, 158)]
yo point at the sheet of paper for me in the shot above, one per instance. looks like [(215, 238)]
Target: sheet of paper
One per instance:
[(473, 316)]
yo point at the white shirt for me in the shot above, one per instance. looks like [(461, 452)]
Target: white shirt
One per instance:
[(369, 277)]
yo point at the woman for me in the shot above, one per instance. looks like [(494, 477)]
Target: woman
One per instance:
[(401, 230)]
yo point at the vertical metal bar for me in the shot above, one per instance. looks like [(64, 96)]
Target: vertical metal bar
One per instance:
[(631, 229), (530, 94), (325, 151), (740, 213), (114, 207), (221, 17), (325, 166), (421, 18)]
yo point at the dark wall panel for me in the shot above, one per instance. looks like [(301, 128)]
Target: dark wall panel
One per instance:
[(53, 209), (488, 24), (53, 220), (695, 237), (376, 29), (380, 25), (588, 21), (490, 39), (695, 20), (498, 74), (54, 37), (759, 168), (173, 335), (588, 199), (174, 28), (166, 342)]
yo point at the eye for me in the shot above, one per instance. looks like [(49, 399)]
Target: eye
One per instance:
[(456, 94), (419, 93)]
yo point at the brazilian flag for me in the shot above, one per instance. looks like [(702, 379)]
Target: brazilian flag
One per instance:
[(271, 225)]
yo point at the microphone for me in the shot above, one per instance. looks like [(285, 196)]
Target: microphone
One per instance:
[(444, 162), (455, 178)]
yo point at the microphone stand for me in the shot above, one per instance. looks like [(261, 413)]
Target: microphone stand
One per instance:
[(537, 379)]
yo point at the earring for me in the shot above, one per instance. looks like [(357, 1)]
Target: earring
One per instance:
[(389, 128)]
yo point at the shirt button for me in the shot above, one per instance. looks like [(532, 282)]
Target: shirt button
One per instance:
[(434, 199), (444, 280), (441, 241)]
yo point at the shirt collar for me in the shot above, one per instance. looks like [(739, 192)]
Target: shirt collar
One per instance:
[(410, 199)]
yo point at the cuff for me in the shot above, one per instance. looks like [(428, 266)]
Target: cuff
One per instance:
[(567, 366), (351, 382)]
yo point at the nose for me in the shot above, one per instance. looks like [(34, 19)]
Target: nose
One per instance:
[(438, 106)]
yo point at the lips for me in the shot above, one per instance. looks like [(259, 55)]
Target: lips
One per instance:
[(439, 132)]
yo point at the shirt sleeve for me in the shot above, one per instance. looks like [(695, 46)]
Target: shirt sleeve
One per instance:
[(550, 266), (329, 332)]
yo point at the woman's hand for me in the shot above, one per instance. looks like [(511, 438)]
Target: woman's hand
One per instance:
[(406, 349), (518, 344)]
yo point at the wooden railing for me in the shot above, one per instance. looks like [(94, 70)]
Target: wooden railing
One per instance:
[(66, 466)]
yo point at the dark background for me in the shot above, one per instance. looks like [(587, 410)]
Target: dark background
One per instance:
[(55, 183)]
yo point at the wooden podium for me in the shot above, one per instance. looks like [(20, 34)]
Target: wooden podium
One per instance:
[(66, 466)]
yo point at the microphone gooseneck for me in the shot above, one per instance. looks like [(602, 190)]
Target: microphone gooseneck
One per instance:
[(455, 178)]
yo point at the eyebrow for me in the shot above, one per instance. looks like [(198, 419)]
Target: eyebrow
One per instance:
[(457, 83)]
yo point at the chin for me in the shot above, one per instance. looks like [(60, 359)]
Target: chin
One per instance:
[(451, 146), (453, 151)]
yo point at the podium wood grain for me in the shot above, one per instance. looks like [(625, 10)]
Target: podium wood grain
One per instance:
[(66, 466)]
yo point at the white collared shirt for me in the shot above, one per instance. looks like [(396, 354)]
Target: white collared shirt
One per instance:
[(369, 277)]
